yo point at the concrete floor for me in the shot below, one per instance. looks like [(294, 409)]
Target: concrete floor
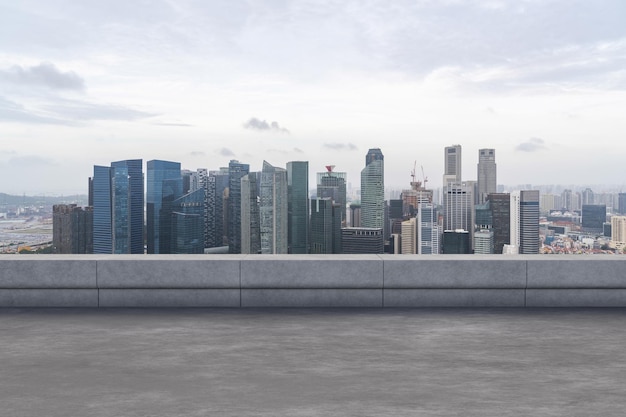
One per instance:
[(447, 362)]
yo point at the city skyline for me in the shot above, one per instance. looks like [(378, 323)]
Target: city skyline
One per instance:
[(203, 83)]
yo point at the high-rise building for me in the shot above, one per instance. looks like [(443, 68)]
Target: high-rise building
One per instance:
[(216, 223), (250, 218), (500, 206), (593, 217), (456, 242), (409, 236), (72, 229), (515, 219), (452, 164), (618, 231), (355, 215), (428, 229), (373, 190), (362, 240), (587, 197), (566, 200), (325, 226), (164, 185), (274, 210), (298, 206), (486, 174), (187, 223), (236, 171), (529, 222), (458, 206), (118, 208), (483, 242), (621, 203), (333, 184)]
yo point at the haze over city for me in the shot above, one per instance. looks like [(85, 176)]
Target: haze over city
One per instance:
[(86, 83)]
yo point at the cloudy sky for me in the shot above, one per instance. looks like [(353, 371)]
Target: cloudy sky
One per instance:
[(88, 82)]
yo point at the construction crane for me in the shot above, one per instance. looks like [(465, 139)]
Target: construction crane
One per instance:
[(424, 177), (415, 184)]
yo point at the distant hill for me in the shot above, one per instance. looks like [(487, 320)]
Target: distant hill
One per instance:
[(26, 200)]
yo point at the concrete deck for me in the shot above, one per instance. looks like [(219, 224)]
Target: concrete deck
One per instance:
[(298, 362)]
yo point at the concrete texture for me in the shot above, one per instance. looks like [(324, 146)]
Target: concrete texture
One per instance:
[(167, 271), (169, 298), (311, 298), (312, 271), (48, 271), (577, 272), (576, 297), (451, 297), (453, 271), (143, 362), (48, 297)]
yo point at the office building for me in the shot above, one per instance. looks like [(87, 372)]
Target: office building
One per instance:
[(483, 242), (587, 197), (486, 174), (458, 206), (72, 229), (621, 203), (187, 223), (355, 215), (456, 242), (164, 185), (593, 217), (500, 206), (618, 231), (273, 210), (373, 190), (452, 164), (428, 229), (250, 215), (529, 242), (236, 171), (331, 184), (118, 197), (409, 236), (325, 226), (362, 240), (298, 206)]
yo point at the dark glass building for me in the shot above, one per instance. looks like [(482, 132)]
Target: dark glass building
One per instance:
[(72, 229), (529, 222), (456, 242), (331, 184), (500, 206), (362, 240), (236, 171), (164, 185), (186, 224), (298, 206), (593, 217)]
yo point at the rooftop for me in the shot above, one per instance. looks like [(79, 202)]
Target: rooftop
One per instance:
[(311, 362)]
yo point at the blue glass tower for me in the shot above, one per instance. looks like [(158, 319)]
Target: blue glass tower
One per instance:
[(236, 171), (164, 185), (118, 207), (187, 218)]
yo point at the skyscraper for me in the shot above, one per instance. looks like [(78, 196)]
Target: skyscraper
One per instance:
[(187, 218), (298, 206), (458, 206), (331, 184), (273, 209), (452, 164), (164, 185), (250, 219), (373, 190), (236, 171), (118, 207), (428, 229), (325, 226), (593, 217), (72, 229), (409, 236), (500, 205), (486, 174), (621, 203), (529, 222)]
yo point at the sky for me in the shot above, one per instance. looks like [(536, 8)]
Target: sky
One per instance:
[(88, 82)]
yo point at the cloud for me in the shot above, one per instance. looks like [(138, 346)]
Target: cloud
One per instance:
[(341, 146), (298, 150), (197, 153), (79, 111), (45, 75), (531, 145), (172, 124), (264, 126), (11, 111), (226, 152)]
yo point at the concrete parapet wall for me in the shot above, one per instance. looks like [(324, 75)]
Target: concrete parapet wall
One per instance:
[(312, 281)]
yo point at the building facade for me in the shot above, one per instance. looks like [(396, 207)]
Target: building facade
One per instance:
[(236, 171), (487, 181), (164, 185), (298, 206), (452, 164), (373, 190), (274, 210)]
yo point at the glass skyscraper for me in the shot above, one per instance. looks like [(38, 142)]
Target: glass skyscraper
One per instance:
[(236, 171), (164, 185), (373, 190), (118, 195), (187, 218), (298, 206)]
